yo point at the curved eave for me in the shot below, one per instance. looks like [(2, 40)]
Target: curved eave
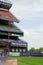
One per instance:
[(7, 20), (15, 35), (12, 33)]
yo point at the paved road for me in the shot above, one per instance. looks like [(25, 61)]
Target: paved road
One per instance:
[(1, 63)]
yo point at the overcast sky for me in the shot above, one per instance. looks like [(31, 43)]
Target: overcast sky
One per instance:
[(30, 14)]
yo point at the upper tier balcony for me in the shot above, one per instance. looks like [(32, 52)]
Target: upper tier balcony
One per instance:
[(6, 1), (6, 4)]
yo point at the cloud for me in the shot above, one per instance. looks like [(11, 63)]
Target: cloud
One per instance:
[(30, 13), (30, 5), (30, 10), (35, 39)]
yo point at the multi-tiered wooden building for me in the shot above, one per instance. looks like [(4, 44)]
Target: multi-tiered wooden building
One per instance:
[(9, 32)]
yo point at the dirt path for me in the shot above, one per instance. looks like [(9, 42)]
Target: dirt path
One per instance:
[(10, 61)]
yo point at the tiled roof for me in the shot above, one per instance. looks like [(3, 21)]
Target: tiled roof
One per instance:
[(6, 15), (13, 29)]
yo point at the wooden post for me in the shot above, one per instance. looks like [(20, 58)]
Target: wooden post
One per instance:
[(8, 35)]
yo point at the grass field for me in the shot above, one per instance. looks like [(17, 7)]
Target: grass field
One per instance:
[(30, 61)]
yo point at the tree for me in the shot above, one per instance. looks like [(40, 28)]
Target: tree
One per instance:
[(36, 50), (32, 50), (40, 49)]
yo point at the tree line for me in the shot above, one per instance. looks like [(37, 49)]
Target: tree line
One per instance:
[(36, 50)]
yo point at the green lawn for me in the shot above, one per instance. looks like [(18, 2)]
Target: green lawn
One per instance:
[(30, 61)]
